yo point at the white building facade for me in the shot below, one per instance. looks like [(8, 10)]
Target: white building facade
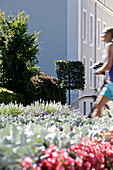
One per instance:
[(94, 15), (70, 30)]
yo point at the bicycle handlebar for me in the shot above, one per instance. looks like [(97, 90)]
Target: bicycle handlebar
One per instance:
[(96, 66)]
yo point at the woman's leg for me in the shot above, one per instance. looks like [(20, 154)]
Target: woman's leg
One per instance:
[(99, 103)]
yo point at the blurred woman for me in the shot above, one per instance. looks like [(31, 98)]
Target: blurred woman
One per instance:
[(106, 93)]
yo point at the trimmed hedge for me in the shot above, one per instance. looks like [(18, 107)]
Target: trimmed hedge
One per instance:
[(46, 88), (70, 74), (7, 96)]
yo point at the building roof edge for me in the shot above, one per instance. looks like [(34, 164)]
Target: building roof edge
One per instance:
[(104, 7)]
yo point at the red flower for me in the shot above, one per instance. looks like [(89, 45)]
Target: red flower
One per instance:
[(57, 159), (50, 149), (87, 165), (36, 168), (27, 162), (90, 154), (78, 161)]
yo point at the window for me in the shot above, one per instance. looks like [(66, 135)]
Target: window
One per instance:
[(90, 73), (104, 25), (84, 62), (91, 106), (84, 24), (91, 29), (84, 105), (98, 32), (98, 81)]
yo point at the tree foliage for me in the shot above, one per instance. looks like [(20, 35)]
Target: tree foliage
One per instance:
[(18, 50), (70, 74)]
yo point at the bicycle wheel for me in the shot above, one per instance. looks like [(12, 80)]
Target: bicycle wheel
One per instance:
[(90, 98), (87, 97)]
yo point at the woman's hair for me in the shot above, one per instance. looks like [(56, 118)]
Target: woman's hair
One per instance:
[(108, 29)]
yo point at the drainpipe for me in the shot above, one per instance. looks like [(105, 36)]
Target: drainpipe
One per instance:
[(95, 42)]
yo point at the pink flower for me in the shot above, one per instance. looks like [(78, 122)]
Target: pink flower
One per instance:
[(87, 165), (55, 154), (36, 168), (78, 161), (67, 161), (102, 166), (50, 149), (27, 162), (57, 159), (91, 154)]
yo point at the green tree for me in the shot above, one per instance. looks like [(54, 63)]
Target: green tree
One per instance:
[(18, 51), (70, 75)]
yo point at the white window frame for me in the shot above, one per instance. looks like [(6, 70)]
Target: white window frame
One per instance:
[(84, 28), (85, 65), (98, 33), (104, 25), (91, 29), (105, 2), (97, 79), (90, 73)]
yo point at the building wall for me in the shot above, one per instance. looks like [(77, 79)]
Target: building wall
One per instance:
[(92, 51), (72, 37), (87, 48), (72, 30), (109, 3)]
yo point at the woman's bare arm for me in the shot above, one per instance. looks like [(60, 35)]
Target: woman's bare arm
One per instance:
[(109, 60)]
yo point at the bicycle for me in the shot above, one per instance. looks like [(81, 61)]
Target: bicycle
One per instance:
[(94, 96)]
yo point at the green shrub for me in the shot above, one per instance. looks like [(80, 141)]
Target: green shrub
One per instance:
[(70, 74), (45, 87), (7, 96)]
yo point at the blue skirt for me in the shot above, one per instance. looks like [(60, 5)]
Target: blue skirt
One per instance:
[(107, 90)]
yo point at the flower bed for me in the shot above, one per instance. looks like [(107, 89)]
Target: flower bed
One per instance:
[(29, 131), (90, 154)]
